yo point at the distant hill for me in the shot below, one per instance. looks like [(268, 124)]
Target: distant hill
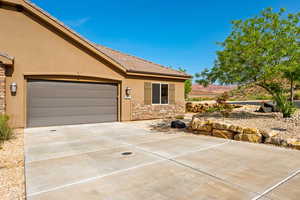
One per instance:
[(241, 93), (210, 91)]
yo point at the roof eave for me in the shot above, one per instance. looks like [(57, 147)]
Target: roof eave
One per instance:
[(161, 75), (42, 15), (6, 60)]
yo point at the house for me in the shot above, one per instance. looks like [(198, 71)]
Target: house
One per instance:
[(211, 91), (52, 76)]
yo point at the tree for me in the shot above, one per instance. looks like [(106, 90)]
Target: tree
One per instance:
[(187, 84), (260, 50)]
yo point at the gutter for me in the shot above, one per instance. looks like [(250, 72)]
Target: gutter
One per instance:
[(162, 74)]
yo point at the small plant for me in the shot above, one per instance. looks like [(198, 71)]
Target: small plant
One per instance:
[(221, 106), (200, 99), (297, 96), (5, 130), (179, 117), (286, 107)]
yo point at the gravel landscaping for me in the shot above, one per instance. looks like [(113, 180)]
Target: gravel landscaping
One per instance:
[(279, 131), (247, 117), (12, 183)]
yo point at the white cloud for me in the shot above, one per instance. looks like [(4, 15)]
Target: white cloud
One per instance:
[(77, 22)]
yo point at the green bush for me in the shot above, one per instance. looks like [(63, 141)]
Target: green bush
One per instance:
[(5, 130), (200, 99), (221, 106), (297, 96), (259, 97), (286, 107), (179, 117)]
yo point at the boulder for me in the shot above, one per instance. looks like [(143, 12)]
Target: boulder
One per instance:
[(178, 124), (269, 134), (294, 143), (256, 138), (195, 123), (222, 126), (223, 133), (203, 132), (268, 107), (250, 131), (274, 140), (204, 126), (237, 129), (200, 125)]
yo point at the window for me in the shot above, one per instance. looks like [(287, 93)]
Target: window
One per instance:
[(160, 93)]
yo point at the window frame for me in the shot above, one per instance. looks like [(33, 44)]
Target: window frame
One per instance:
[(159, 83)]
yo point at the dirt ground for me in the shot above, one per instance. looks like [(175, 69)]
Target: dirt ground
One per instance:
[(12, 183)]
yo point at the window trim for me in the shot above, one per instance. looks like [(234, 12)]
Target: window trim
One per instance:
[(159, 93)]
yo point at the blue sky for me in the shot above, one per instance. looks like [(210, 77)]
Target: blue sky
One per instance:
[(176, 33)]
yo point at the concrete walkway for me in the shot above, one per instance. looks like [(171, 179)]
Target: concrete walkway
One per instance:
[(88, 162)]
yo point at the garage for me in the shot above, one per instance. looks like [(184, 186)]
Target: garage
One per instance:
[(51, 103), (49, 75)]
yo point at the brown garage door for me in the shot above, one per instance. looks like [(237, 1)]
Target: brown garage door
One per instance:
[(60, 103)]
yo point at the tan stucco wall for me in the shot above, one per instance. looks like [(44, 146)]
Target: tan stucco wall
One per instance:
[(137, 86), (41, 52)]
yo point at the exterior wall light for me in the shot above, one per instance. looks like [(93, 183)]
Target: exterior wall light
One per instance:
[(128, 93), (13, 88)]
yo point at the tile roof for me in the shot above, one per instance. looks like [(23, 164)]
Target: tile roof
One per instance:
[(139, 65), (130, 63)]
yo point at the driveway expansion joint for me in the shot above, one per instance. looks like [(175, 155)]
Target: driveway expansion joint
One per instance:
[(277, 185), (162, 159)]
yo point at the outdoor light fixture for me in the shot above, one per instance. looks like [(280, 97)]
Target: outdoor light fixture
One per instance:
[(13, 87), (128, 92)]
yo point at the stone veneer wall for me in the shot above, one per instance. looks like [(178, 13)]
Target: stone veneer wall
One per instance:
[(141, 111), (2, 89)]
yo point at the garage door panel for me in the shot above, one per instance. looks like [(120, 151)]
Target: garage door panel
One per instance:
[(60, 103), (49, 121), (62, 111), (59, 93), (71, 102)]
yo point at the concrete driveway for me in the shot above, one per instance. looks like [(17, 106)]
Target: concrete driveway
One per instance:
[(88, 162)]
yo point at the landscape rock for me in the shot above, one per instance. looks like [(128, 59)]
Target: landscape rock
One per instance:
[(256, 138), (178, 124), (204, 126), (195, 123), (294, 143), (201, 125), (222, 126), (250, 131), (268, 107), (274, 140), (268, 134), (237, 129), (203, 132), (223, 133)]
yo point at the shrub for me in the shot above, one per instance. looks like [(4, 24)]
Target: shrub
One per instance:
[(179, 117), (222, 106), (286, 107), (200, 99), (5, 130), (297, 96)]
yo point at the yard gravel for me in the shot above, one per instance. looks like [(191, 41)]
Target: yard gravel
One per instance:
[(12, 180), (248, 117)]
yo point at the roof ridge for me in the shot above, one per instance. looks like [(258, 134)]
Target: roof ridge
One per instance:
[(30, 3), (142, 59)]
